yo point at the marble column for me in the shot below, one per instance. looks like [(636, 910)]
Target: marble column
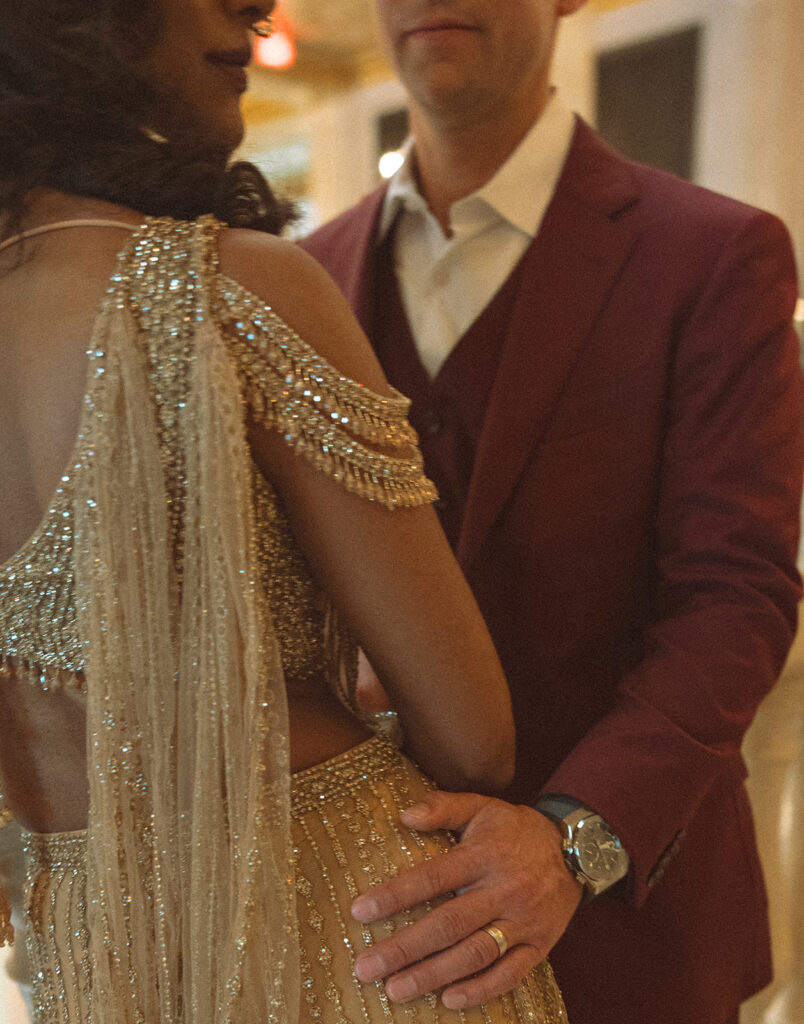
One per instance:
[(770, 173), (751, 140), (774, 751)]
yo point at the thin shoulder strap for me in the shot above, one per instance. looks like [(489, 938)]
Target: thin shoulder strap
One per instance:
[(59, 225)]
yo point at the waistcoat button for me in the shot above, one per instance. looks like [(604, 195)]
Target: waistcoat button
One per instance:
[(433, 422)]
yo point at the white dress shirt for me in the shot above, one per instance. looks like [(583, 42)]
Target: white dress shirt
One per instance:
[(446, 282)]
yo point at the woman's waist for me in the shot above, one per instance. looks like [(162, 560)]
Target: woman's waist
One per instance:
[(321, 728), (45, 775), (359, 767)]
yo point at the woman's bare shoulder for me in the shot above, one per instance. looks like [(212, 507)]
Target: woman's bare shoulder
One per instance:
[(303, 294)]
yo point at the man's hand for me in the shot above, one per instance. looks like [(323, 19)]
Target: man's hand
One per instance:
[(507, 871)]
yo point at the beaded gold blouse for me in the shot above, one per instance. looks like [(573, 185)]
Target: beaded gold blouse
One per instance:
[(324, 416), (164, 579)]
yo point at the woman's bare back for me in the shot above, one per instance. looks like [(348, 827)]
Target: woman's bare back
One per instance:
[(51, 288)]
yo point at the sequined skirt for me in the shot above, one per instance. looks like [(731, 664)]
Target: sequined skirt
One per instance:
[(347, 837)]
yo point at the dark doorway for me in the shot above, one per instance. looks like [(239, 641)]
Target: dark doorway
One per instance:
[(646, 99), (392, 130)]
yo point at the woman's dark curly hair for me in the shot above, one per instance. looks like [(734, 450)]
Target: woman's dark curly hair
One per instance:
[(77, 114)]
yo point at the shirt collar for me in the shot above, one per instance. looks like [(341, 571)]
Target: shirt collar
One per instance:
[(519, 192), (402, 192)]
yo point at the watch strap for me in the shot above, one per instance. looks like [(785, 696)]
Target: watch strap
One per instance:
[(556, 806)]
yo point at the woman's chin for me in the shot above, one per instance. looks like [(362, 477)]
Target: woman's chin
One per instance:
[(225, 132)]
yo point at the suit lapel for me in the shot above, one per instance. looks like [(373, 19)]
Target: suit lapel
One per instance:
[(349, 243), (568, 273)]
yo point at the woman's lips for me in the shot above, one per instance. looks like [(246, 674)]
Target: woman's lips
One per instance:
[(232, 64)]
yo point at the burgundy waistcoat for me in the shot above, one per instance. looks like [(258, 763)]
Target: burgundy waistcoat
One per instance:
[(448, 411)]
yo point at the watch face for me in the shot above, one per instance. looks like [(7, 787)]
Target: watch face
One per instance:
[(600, 854)]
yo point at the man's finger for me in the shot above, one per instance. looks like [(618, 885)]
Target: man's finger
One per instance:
[(468, 957), (435, 877), (501, 977), (443, 810), (443, 927)]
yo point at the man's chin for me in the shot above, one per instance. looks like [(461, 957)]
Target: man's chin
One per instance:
[(447, 96)]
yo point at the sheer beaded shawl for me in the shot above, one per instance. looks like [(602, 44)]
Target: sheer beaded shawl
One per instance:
[(189, 886)]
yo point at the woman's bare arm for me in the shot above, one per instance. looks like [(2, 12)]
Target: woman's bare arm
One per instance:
[(390, 573)]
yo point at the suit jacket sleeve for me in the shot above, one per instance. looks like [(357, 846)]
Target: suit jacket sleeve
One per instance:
[(727, 585)]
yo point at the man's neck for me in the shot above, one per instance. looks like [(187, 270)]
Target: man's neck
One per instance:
[(454, 160)]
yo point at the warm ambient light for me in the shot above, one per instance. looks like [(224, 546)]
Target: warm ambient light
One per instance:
[(390, 163), (279, 49)]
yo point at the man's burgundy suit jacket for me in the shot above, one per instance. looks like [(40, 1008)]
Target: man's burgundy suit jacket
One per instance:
[(630, 536)]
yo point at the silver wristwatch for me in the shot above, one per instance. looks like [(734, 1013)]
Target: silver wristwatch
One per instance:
[(592, 852)]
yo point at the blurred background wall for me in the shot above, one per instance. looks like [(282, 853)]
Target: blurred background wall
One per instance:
[(710, 89)]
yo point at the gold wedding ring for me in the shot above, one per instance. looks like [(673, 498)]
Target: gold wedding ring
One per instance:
[(499, 938)]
